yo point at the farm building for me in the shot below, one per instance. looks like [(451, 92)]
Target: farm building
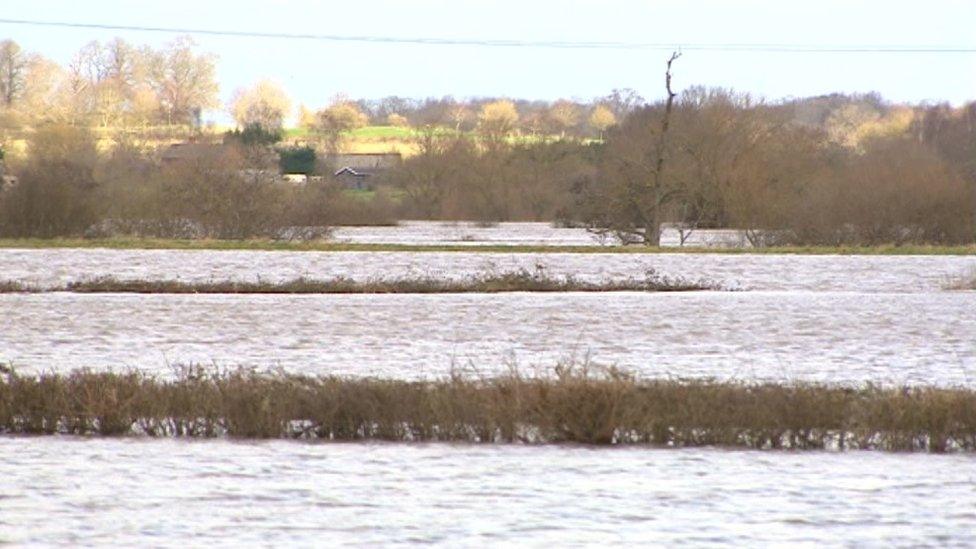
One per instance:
[(359, 170)]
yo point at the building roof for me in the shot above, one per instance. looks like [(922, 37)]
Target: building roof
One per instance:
[(348, 170)]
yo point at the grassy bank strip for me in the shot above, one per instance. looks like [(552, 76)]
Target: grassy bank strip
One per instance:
[(327, 246), (568, 406), (519, 281)]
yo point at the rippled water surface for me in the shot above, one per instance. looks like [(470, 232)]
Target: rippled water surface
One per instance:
[(743, 271), (466, 233), (136, 492), (841, 319), (540, 234), (822, 336)]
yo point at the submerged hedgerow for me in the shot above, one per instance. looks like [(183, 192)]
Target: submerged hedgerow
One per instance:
[(517, 281), (569, 405)]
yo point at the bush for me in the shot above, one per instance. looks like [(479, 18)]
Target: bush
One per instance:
[(297, 160), (227, 200), (896, 192), (569, 405), (55, 195), (253, 134)]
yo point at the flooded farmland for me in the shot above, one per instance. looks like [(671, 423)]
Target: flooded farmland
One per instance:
[(518, 233), (772, 272), (174, 493), (839, 337), (835, 319), (843, 319)]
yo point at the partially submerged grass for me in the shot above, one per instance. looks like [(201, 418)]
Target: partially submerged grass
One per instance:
[(963, 282), (330, 246), (15, 287), (517, 281), (569, 405)]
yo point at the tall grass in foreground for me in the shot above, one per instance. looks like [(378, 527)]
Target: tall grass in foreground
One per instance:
[(570, 405)]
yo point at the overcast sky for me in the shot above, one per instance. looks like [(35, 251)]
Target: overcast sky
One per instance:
[(313, 71)]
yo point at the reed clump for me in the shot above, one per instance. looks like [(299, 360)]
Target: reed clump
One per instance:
[(523, 280), (568, 405), (15, 287), (964, 282)]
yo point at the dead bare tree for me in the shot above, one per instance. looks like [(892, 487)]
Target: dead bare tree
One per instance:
[(635, 190), (652, 231)]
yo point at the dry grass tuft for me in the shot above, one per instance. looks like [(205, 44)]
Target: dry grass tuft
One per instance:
[(570, 405), (963, 282), (15, 287)]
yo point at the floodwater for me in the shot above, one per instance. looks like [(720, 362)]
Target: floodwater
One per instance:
[(530, 234), (470, 234), (177, 493), (837, 319), (839, 337), (53, 267)]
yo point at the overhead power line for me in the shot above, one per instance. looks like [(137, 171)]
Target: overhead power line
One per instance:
[(558, 44)]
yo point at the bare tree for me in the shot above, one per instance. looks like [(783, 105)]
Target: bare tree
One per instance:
[(46, 96), (602, 118), (265, 105), (184, 81), (622, 102), (497, 120), (13, 63), (459, 114), (111, 85), (637, 189), (563, 115), (341, 117), (428, 177)]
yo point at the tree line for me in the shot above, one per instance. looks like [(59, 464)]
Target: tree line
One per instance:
[(828, 170), (723, 160), (113, 84), (117, 84)]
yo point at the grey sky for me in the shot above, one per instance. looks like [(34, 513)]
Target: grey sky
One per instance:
[(314, 71)]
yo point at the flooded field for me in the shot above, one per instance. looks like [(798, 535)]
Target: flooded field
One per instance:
[(837, 319), (537, 234), (840, 319), (836, 337), (54, 267), (467, 233), (174, 493)]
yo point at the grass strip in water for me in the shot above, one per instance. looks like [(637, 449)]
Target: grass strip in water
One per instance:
[(567, 405), (518, 281), (15, 287)]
